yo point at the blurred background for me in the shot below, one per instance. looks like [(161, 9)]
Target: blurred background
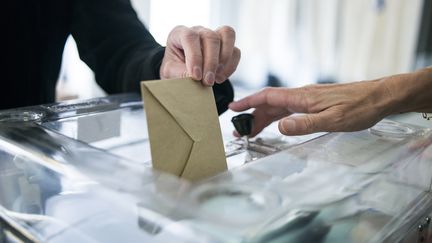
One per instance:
[(289, 42)]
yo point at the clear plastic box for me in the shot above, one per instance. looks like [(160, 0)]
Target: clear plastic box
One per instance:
[(81, 172)]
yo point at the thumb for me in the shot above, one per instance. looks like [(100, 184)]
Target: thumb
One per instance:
[(172, 69), (302, 125)]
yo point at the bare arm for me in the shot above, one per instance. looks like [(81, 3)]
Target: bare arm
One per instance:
[(411, 92), (339, 107)]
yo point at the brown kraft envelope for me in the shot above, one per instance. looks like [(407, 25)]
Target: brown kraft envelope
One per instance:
[(183, 125)]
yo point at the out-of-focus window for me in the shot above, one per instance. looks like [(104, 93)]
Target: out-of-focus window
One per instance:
[(166, 14), (298, 42)]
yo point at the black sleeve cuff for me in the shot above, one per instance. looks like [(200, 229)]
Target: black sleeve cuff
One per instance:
[(224, 95)]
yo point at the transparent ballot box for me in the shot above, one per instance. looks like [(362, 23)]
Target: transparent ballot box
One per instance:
[(81, 171)]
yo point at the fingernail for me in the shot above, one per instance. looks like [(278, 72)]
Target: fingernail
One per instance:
[(288, 125), (197, 73), (210, 78)]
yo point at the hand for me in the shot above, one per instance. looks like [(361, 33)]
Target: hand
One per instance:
[(328, 108), (200, 53)]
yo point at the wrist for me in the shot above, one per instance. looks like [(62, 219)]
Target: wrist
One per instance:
[(408, 92), (402, 90), (418, 88), (391, 97)]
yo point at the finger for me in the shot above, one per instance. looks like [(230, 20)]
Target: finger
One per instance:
[(227, 36), (211, 44), (251, 101), (229, 68), (268, 96), (188, 40), (293, 100), (306, 124)]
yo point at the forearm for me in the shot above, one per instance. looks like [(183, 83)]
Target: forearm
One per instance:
[(411, 92)]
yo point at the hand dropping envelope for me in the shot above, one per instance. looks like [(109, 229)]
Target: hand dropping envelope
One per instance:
[(183, 125)]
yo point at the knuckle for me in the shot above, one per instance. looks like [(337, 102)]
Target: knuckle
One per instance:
[(195, 57), (190, 35), (209, 35), (307, 98), (211, 63), (268, 91), (197, 27), (227, 31), (178, 29)]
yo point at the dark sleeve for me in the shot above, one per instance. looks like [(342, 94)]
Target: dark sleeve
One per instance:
[(120, 50), (115, 44), (224, 94)]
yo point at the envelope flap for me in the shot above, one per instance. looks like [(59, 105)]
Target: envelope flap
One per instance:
[(165, 134), (197, 105), (205, 160)]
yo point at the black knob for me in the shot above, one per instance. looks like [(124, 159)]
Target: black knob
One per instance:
[(243, 123)]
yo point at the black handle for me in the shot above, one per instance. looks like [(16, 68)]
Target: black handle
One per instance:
[(243, 123)]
